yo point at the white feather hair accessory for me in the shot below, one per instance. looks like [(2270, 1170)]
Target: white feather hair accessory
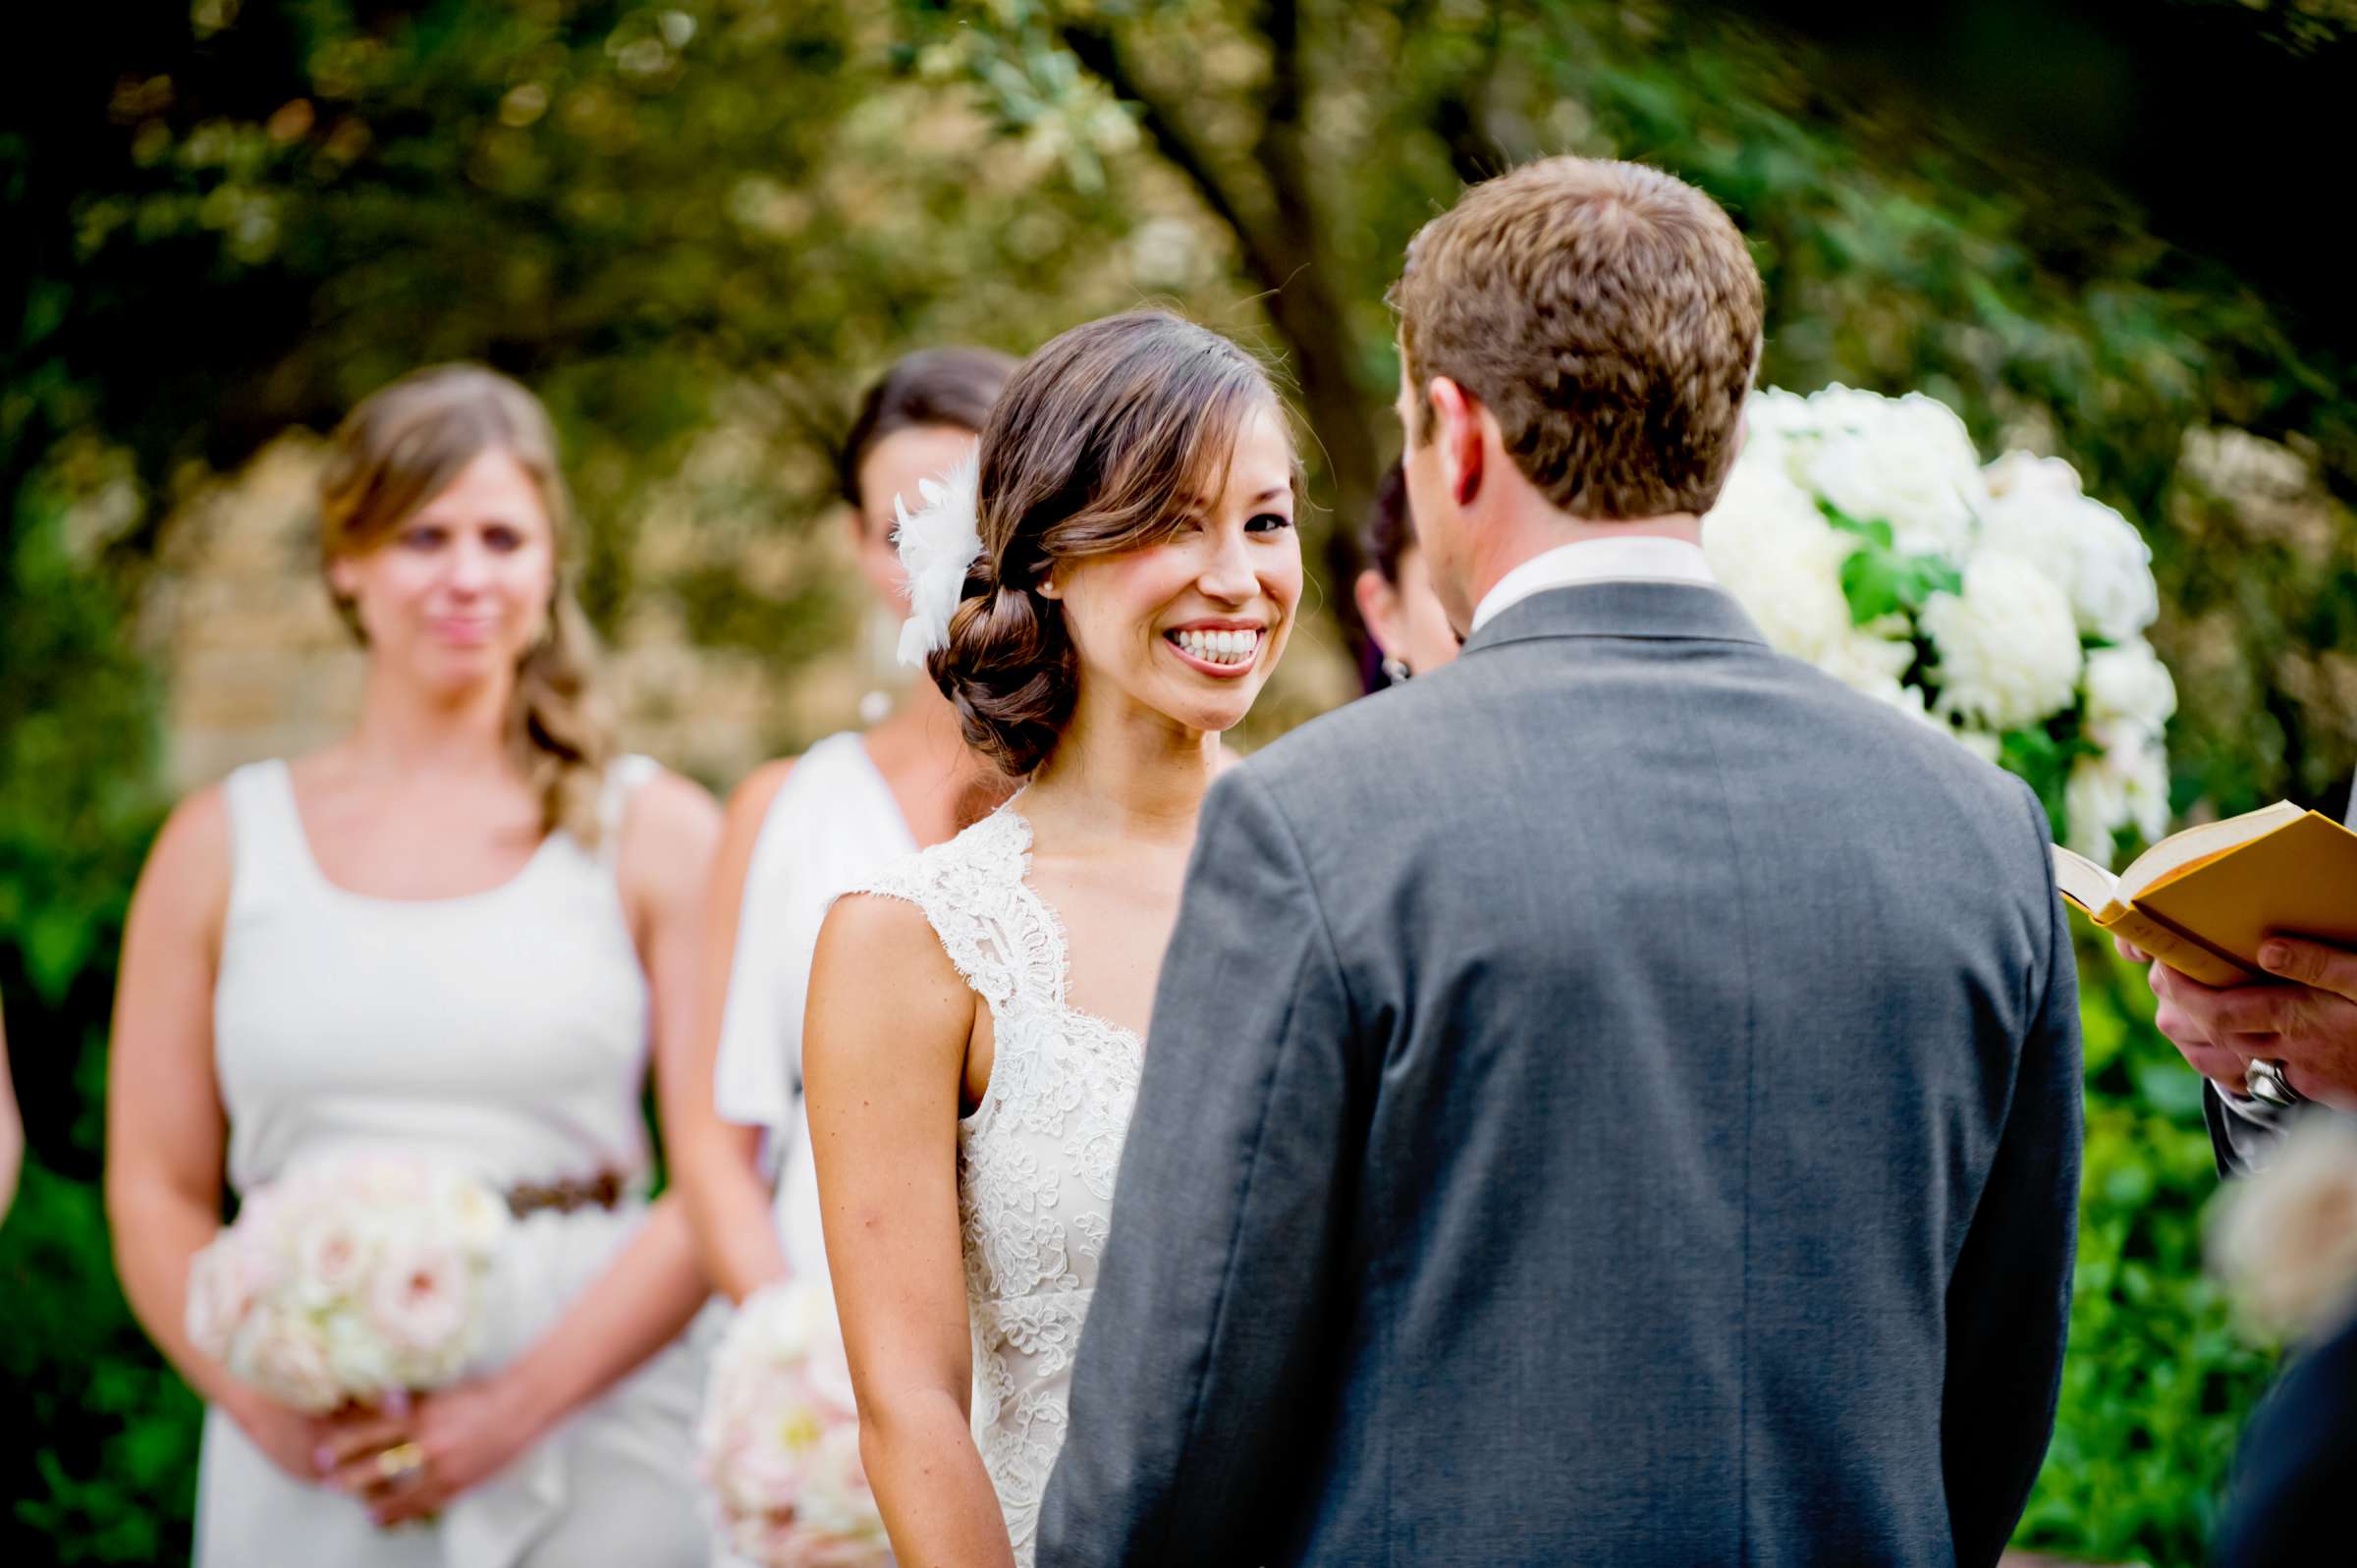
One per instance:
[(939, 545)]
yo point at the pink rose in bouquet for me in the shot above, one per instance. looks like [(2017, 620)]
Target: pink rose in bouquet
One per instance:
[(421, 1297), (345, 1280), (780, 1438)]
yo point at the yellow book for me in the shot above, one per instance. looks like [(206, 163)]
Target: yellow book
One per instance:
[(2203, 901)]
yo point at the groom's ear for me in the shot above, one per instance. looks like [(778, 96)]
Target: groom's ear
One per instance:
[(1458, 432)]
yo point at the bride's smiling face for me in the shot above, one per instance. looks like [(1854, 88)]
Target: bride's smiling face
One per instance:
[(1192, 625)]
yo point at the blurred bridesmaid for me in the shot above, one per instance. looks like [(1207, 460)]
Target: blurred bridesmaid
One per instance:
[(802, 830), (1403, 615), (459, 932)]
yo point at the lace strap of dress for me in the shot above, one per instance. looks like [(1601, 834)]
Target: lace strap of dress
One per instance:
[(971, 889)]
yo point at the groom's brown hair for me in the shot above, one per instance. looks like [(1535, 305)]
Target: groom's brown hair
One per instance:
[(1607, 314)]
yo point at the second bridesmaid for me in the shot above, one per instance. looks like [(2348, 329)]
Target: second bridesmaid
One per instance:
[(460, 933), (799, 832)]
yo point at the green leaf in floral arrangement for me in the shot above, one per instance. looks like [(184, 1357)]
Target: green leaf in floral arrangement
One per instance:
[(1877, 578), (1935, 576), (1875, 533), (1873, 581), (2034, 757), (1879, 582)]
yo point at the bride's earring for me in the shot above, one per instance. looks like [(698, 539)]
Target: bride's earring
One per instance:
[(879, 653), (1394, 668)]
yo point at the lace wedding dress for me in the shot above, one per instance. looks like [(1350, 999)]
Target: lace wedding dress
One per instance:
[(1036, 1159)]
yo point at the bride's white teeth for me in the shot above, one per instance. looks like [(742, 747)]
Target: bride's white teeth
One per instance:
[(1219, 647)]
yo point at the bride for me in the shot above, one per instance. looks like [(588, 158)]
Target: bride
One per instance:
[(976, 1015)]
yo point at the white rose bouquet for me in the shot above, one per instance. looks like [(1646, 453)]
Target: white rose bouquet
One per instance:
[(780, 1437), (1999, 604), (347, 1280)]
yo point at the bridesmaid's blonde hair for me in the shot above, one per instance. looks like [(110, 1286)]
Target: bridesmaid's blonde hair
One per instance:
[(405, 444)]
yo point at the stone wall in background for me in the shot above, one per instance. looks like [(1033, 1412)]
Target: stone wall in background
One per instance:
[(259, 663)]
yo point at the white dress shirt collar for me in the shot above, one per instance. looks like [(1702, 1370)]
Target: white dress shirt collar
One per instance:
[(1645, 557)]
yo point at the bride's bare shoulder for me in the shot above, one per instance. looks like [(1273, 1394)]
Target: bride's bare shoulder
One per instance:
[(886, 947), (887, 1009), (869, 919)]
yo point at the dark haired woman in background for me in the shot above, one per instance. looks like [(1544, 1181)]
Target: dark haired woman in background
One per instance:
[(1403, 615), (450, 934), (976, 1017), (799, 832)]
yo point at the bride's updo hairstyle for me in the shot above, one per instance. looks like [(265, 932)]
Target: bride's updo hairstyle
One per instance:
[(403, 446), (1092, 450)]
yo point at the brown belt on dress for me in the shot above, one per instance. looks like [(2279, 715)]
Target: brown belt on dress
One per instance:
[(604, 1190)]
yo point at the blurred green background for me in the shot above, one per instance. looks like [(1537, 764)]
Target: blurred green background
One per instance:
[(696, 228)]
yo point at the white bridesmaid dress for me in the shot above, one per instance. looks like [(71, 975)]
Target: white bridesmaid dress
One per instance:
[(832, 825), (505, 1031)]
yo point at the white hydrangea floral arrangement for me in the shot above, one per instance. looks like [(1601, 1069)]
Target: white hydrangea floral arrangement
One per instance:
[(1997, 603)]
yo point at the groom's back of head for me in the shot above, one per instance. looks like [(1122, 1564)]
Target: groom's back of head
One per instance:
[(1607, 314)]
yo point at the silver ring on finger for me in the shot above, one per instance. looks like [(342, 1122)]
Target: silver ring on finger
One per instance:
[(2263, 1080)]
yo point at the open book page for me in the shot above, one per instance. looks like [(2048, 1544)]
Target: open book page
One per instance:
[(2085, 884), (2180, 853), (2203, 901), (2093, 889)]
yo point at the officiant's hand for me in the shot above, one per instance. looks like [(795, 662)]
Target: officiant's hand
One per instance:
[(2310, 1025), (2212, 1060)]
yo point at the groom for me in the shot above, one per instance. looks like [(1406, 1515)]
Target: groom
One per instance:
[(1613, 1101)]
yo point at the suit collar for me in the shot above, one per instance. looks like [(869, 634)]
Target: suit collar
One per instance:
[(1642, 557), (1675, 611)]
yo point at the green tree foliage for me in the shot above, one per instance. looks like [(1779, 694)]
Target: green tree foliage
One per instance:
[(99, 1460), (1901, 251), (696, 226), (667, 219)]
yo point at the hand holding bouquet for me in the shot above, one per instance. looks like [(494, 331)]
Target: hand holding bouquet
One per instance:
[(1999, 604), (780, 1437), (346, 1282)]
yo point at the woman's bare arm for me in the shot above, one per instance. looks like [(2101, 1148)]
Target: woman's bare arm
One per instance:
[(884, 1063), (166, 1133), (713, 1161)]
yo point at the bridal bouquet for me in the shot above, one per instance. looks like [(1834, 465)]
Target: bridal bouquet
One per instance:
[(347, 1280), (780, 1437), (1999, 604)]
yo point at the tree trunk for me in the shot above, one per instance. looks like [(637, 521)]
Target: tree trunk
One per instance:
[(1283, 247)]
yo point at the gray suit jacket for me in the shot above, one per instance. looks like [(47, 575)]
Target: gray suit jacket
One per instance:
[(1613, 1101)]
